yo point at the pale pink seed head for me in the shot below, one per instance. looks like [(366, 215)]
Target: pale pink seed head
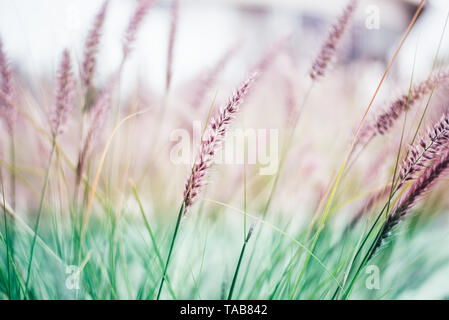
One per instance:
[(214, 136), (64, 94), (329, 47), (7, 111), (171, 42), (91, 46), (418, 189), (136, 20)]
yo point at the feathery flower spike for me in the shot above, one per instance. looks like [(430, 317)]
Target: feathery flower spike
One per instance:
[(91, 46), (386, 120), (64, 94), (171, 42), (134, 24), (425, 150), (328, 49), (416, 191), (214, 136), (99, 114), (7, 87)]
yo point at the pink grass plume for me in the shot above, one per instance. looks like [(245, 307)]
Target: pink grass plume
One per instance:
[(136, 20), (64, 95), (91, 47), (213, 139), (418, 189), (426, 149), (171, 41), (386, 120), (329, 47), (7, 111), (99, 110)]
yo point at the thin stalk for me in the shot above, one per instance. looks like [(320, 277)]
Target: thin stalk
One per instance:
[(116, 111), (12, 234), (362, 265), (181, 212), (92, 192), (354, 140), (393, 191), (285, 149), (345, 161), (39, 214), (283, 233), (386, 209), (175, 233), (440, 42), (237, 268), (393, 188), (78, 181), (57, 225), (6, 239), (434, 64), (13, 265), (153, 238), (244, 190), (245, 235), (244, 204), (12, 150)]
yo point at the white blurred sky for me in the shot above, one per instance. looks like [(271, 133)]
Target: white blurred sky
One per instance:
[(35, 32)]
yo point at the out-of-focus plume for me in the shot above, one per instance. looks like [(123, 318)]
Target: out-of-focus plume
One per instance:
[(99, 116), (416, 191), (7, 111), (91, 47), (64, 95), (171, 42), (329, 47), (214, 136), (134, 24)]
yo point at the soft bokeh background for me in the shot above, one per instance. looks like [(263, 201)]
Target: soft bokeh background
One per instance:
[(35, 32)]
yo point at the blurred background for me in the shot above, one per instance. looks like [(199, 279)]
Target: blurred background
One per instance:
[(35, 32)]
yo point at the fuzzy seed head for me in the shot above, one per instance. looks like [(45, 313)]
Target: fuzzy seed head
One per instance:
[(214, 136), (91, 47), (134, 24), (64, 94), (7, 111), (416, 191), (171, 42), (329, 47), (425, 150)]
